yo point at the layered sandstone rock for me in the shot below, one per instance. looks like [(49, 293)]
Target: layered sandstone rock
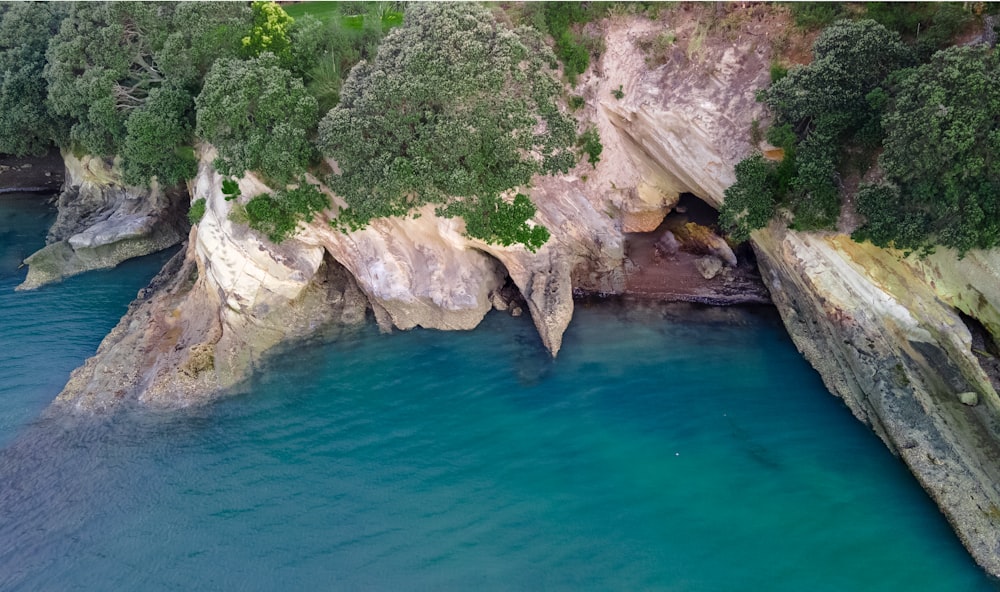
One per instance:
[(102, 222), (875, 327)]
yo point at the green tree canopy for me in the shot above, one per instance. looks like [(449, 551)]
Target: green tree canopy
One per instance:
[(259, 116), (270, 32), (110, 60), (819, 108), (27, 126), (453, 106), (942, 150)]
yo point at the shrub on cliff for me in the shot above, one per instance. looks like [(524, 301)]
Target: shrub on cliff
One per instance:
[(835, 101), (750, 201), (942, 151), (277, 216), (258, 115), (453, 106)]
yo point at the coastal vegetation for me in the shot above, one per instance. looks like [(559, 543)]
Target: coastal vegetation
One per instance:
[(454, 108), (911, 117), (460, 105)]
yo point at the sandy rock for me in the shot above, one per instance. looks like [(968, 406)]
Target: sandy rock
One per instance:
[(885, 343), (102, 222), (708, 266), (969, 398)]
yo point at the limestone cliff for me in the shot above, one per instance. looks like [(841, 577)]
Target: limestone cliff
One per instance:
[(102, 222), (234, 295)]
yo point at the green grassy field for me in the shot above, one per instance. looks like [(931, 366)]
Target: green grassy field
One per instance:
[(324, 11), (351, 13)]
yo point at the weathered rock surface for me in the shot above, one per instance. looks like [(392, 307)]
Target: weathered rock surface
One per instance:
[(211, 314), (883, 340), (102, 222)]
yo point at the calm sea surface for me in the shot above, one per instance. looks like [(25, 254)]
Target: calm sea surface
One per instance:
[(668, 448)]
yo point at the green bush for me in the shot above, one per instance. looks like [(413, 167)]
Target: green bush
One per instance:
[(495, 221), (258, 116), (269, 32), (197, 211), (940, 150), (590, 143), (279, 215), (750, 201), (454, 106), (575, 102), (618, 93)]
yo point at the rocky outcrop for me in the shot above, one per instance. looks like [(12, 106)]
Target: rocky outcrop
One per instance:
[(880, 334), (235, 295), (212, 313), (102, 222)]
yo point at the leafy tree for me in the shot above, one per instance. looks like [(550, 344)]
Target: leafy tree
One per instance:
[(942, 150), (453, 106), (112, 61), (750, 201), (835, 100), (259, 116), (270, 32), (26, 124), (157, 135)]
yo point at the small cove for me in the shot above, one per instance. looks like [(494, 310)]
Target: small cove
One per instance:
[(669, 447)]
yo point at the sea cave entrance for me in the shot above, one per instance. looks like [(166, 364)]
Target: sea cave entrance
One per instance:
[(686, 258)]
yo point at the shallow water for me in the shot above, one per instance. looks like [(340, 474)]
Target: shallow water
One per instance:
[(668, 448)]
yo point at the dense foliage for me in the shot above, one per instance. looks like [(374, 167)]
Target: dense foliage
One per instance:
[(114, 61), (259, 116), (929, 115), (27, 126), (941, 156), (819, 109), (749, 202), (453, 106), (497, 221), (277, 216)]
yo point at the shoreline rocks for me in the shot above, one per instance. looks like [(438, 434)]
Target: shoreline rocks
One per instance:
[(101, 222)]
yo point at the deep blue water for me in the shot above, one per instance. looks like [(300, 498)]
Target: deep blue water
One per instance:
[(668, 448)]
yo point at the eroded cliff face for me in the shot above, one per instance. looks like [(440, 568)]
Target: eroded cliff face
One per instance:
[(102, 222), (234, 295), (880, 332)]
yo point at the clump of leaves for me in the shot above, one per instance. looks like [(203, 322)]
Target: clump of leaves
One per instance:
[(618, 93), (590, 143), (279, 215), (496, 221), (231, 189), (197, 211)]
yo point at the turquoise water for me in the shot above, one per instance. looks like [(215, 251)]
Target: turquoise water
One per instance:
[(668, 448)]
